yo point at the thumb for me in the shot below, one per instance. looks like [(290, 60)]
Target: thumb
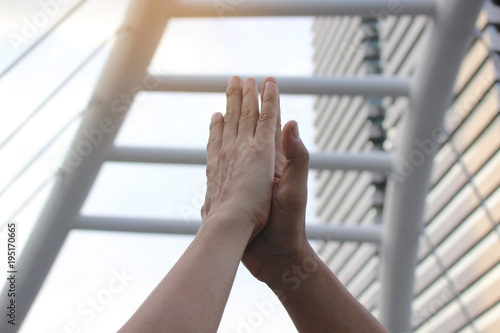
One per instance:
[(296, 167)]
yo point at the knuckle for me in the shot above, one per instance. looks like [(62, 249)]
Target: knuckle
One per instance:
[(233, 91), (211, 167), (247, 113), (229, 115), (265, 117)]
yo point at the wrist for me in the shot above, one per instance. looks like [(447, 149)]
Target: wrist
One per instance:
[(290, 271), (225, 225)]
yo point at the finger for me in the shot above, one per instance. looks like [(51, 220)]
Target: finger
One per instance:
[(215, 137), (249, 110), (233, 109), (263, 87), (266, 125), (279, 157), (213, 149), (296, 166)]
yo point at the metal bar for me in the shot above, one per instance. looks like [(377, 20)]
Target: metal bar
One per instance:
[(372, 161), (370, 85), (340, 233), (366, 8), (430, 94), (124, 71)]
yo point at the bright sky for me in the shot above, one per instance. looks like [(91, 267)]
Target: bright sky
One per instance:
[(87, 268)]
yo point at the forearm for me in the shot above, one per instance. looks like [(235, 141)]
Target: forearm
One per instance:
[(316, 300), (192, 297)]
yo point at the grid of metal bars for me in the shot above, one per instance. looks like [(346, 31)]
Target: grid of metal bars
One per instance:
[(453, 22), (457, 275)]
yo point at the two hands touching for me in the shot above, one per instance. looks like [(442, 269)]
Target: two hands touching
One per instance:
[(254, 212), (258, 174)]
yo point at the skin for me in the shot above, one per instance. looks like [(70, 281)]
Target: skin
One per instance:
[(240, 170), (282, 257), (254, 211)]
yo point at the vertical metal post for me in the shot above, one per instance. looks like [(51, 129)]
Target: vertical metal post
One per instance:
[(430, 94), (123, 76)]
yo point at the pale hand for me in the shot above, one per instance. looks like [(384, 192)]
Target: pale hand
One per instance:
[(241, 156)]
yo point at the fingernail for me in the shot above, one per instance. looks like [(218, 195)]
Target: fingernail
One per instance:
[(232, 79), (269, 85), (295, 131), (248, 80)]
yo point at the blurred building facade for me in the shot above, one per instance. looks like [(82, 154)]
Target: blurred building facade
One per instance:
[(458, 274)]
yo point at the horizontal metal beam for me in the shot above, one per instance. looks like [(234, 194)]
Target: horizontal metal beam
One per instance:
[(372, 161), (366, 8), (340, 233), (373, 85)]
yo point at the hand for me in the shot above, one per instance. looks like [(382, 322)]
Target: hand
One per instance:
[(240, 156), (283, 240)]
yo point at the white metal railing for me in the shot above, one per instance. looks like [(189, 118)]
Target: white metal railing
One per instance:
[(371, 233), (373, 161), (368, 85), (366, 8), (127, 67)]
